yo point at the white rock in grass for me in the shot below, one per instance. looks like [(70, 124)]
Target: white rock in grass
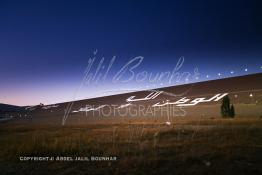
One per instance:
[(168, 123)]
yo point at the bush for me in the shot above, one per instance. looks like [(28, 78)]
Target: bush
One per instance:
[(232, 111), (226, 109)]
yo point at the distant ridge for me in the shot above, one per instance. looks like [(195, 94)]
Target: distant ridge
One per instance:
[(9, 108)]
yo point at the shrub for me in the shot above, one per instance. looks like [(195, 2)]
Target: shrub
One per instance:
[(226, 109), (232, 111)]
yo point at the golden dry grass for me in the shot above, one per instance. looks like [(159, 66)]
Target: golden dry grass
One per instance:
[(214, 146)]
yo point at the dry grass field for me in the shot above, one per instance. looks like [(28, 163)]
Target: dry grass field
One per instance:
[(187, 146)]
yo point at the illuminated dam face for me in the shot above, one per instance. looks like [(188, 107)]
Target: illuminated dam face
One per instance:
[(202, 100)]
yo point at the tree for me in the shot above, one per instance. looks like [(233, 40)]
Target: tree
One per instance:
[(227, 110), (225, 107), (232, 111)]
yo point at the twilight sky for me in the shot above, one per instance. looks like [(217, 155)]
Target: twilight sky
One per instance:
[(45, 46)]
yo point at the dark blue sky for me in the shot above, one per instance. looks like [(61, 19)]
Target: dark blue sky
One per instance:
[(45, 45)]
